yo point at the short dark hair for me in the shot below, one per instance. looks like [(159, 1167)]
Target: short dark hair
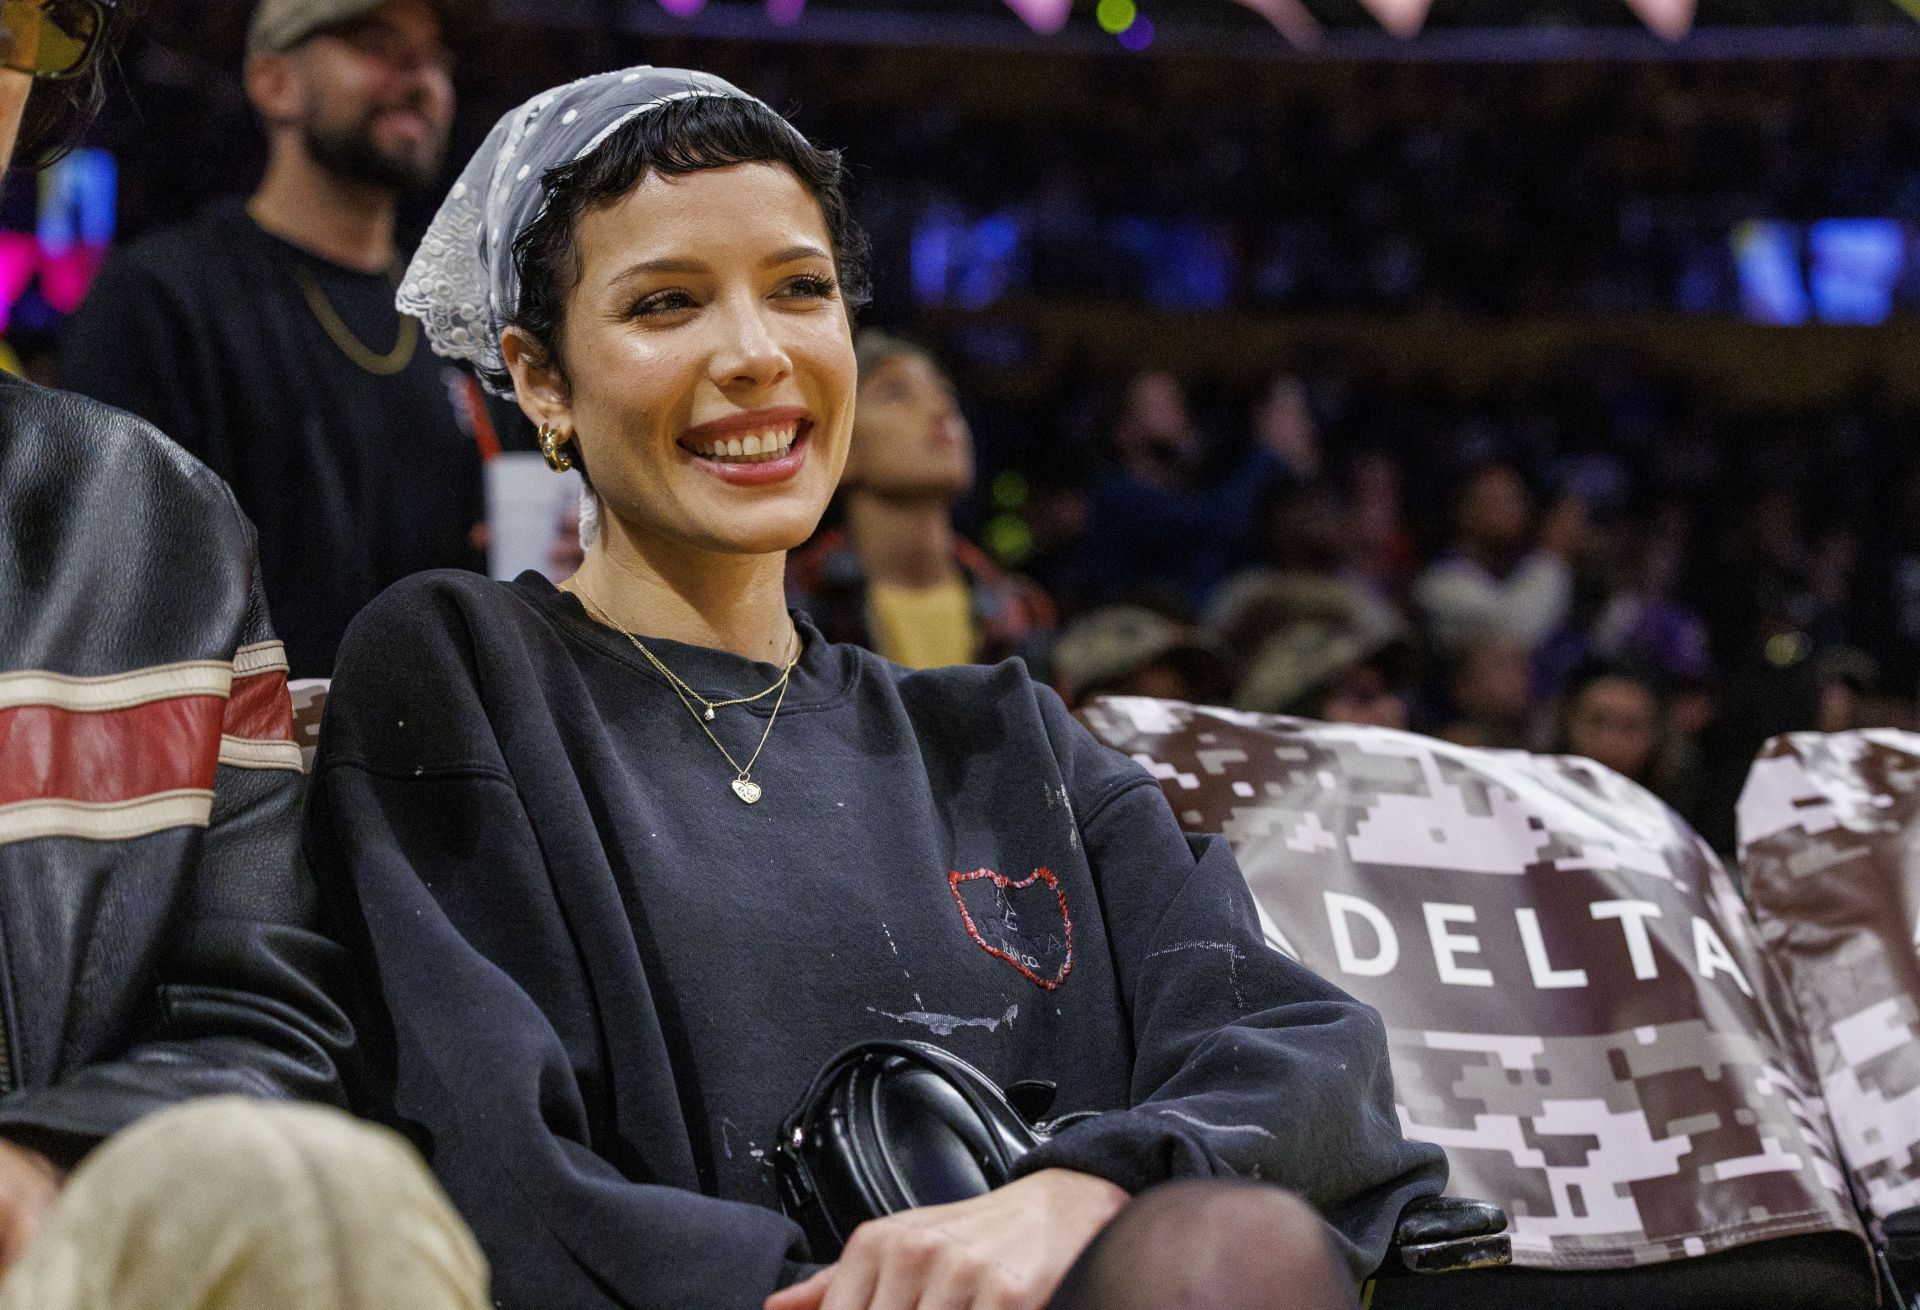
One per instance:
[(1605, 668), (685, 136), (59, 111)]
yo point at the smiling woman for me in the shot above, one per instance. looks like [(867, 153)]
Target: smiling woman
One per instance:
[(667, 296), (707, 355), (628, 861)]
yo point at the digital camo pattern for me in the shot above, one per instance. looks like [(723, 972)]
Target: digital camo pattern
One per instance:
[(1578, 1007), (1830, 841), (309, 703)]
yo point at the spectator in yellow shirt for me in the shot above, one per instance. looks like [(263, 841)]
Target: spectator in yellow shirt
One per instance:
[(895, 577)]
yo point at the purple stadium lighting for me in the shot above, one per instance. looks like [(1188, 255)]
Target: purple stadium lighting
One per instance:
[(1139, 36), (785, 12), (683, 8)]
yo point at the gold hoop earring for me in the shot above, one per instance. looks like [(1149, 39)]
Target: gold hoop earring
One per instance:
[(557, 459)]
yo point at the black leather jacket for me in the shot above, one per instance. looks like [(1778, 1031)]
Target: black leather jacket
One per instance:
[(157, 939)]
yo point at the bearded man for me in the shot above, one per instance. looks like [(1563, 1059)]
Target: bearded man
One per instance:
[(263, 336), (167, 993)]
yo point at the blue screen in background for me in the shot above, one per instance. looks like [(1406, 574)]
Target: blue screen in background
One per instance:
[(1854, 264), (977, 260), (1836, 270), (1772, 287)]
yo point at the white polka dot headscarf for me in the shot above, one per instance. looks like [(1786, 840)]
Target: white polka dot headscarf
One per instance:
[(462, 284)]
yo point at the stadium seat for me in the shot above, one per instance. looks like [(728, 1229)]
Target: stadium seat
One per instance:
[(1578, 1006), (1830, 846), (309, 705)]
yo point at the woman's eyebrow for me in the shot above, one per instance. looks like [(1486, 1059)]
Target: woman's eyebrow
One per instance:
[(688, 265), (666, 264), (795, 253)]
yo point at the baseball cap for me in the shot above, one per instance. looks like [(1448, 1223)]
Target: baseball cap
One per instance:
[(1305, 657), (1111, 644), (280, 25)]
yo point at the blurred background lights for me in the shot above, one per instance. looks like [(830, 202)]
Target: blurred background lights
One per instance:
[(1116, 16), (1139, 35), (1010, 489)]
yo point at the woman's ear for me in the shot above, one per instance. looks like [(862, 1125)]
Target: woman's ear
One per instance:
[(539, 387)]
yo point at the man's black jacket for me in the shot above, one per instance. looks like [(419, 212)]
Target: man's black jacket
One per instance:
[(156, 939)]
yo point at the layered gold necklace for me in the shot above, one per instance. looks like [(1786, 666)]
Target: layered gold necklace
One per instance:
[(743, 784)]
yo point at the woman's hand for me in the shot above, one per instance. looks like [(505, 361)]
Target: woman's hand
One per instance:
[(1007, 1250)]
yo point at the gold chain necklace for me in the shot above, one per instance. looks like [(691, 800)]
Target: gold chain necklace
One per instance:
[(707, 706), (385, 366), (743, 784)]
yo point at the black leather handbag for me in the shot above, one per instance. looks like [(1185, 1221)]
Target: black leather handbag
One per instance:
[(890, 1126)]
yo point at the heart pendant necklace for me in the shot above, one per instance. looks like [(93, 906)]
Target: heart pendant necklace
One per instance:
[(743, 784)]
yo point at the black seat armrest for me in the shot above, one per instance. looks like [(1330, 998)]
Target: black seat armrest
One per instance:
[(1901, 1231), (1443, 1234)]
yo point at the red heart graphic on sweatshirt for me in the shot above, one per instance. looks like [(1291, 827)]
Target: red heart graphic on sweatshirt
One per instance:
[(1041, 947)]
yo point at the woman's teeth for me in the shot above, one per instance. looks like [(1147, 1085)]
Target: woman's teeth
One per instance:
[(754, 448)]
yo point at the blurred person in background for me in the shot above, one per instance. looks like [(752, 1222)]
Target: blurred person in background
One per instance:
[(1644, 621), (168, 988), (1127, 650), (1758, 593), (1891, 578), (1283, 425), (1158, 526), (1380, 549), (1761, 611), (263, 336), (1853, 694), (1834, 575), (1612, 713), (1489, 690), (1336, 674), (1499, 578), (1306, 574), (896, 577), (1303, 635)]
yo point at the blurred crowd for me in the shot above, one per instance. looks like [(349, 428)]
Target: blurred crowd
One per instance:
[(1507, 189), (1491, 189), (1605, 561), (1580, 552), (1604, 571)]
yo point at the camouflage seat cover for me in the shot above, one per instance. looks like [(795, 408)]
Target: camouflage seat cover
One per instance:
[(309, 706), (1830, 841), (1577, 1003)]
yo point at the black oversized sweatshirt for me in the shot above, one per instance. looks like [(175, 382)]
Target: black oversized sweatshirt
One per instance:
[(597, 980)]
